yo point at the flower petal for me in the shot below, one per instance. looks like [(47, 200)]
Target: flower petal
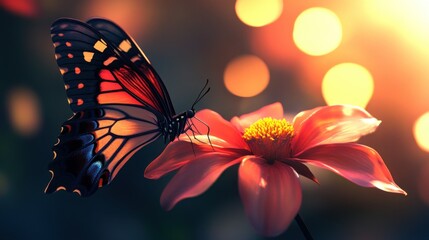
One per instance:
[(196, 177), (175, 155), (300, 117), (331, 124), (274, 110), (271, 194), (208, 122), (357, 163), (179, 153)]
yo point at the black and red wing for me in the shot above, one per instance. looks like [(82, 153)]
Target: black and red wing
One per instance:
[(116, 110), (94, 144), (130, 50), (97, 72)]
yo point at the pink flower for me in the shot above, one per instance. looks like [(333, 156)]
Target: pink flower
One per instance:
[(271, 153)]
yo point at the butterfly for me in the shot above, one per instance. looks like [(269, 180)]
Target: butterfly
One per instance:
[(120, 104)]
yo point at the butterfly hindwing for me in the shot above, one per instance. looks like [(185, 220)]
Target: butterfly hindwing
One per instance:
[(94, 144), (116, 110)]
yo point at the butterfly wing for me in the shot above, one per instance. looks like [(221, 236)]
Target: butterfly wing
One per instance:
[(116, 110), (94, 144), (132, 51)]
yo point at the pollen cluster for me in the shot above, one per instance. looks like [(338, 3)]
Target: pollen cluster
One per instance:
[(269, 129)]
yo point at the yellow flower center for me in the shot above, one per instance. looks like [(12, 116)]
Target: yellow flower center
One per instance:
[(269, 138), (268, 128)]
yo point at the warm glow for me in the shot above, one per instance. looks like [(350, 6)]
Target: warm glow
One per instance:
[(407, 18), (388, 187), (139, 18), (27, 8), (348, 83), (262, 182), (421, 131), (246, 76), (317, 31), (257, 13), (24, 112)]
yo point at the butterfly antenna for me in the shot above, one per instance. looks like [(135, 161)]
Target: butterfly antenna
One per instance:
[(202, 93)]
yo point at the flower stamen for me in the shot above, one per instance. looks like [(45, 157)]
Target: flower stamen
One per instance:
[(269, 128), (269, 138)]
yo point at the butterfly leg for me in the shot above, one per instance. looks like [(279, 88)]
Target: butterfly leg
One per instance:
[(208, 130), (192, 144), (191, 126)]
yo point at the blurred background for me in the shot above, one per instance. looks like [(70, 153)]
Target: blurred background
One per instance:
[(304, 54)]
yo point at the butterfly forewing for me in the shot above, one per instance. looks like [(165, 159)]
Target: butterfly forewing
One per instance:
[(116, 110), (130, 50)]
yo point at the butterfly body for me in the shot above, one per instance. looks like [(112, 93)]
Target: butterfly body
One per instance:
[(120, 104), (175, 126)]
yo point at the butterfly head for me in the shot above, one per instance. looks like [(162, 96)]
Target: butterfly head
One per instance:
[(190, 113)]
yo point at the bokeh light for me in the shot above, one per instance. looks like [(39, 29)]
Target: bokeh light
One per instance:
[(137, 20), (387, 37), (24, 111), (348, 83), (257, 13), (421, 131), (317, 31), (246, 76), (404, 17), (26, 8)]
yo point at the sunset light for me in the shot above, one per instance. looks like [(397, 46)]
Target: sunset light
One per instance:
[(421, 131), (317, 31), (252, 119), (246, 76), (348, 83), (257, 13)]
